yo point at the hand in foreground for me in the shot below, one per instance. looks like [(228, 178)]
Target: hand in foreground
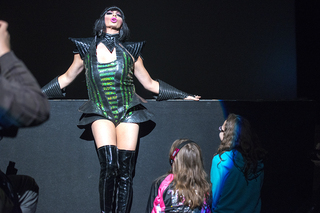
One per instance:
[(4, 38), (193, 98)]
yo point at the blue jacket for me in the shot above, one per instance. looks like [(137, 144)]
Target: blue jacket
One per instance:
[(231, 192)]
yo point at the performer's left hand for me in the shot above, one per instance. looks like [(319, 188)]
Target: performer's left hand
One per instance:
[(193, 98)]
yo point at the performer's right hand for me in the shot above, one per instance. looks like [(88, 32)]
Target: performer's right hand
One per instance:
[(193, 98)]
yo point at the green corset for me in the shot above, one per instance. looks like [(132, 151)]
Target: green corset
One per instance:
[(110, 86)]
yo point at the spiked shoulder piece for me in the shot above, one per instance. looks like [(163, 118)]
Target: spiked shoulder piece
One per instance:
[(135, 48), (82, 45)]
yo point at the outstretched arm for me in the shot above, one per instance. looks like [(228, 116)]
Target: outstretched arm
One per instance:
[(54, 88), (73, 71), (144, 78), (148, 83)]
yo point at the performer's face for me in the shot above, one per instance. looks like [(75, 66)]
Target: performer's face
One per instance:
[(113, 21)]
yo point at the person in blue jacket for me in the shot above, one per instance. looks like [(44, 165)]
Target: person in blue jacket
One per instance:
[(237, 169)]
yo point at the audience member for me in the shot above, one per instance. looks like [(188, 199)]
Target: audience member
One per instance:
[(185, 187), (22, 104), (237, 169)]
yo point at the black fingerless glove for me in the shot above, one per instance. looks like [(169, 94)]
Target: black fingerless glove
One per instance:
[(167, 91), (52, 89)]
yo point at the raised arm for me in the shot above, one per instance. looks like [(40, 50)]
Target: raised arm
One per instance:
[(21, 101), (54, 88), (159, 87), (73, 71)]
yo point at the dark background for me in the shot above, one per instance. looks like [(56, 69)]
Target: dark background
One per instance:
[(66, 167), (240, 50), (217, 49)]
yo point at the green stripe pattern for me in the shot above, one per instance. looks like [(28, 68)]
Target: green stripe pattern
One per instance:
[(111, 86), (107, 77)]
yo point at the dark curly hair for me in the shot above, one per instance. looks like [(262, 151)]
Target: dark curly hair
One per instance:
[(238, 135), (100, 26)]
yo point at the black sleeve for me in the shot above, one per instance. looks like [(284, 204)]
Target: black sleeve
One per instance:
[(153, 194)]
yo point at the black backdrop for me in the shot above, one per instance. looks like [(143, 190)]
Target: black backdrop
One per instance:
[(218, 49), (67, 169)]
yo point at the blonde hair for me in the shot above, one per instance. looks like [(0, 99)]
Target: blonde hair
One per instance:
[(190, 178)]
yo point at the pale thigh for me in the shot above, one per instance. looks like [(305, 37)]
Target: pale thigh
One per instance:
[(124, 136), (104, 133), (127, 136)]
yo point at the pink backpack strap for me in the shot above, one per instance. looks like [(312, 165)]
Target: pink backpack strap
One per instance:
[(205, 208), (158, 201)]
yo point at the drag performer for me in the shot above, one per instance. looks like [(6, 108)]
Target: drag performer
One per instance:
[(185, 187), (114, 110)]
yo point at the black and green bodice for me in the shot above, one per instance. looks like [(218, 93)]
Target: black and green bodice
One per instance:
[(110, 85)]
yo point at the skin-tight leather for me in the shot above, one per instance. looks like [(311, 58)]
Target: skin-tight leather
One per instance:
[(108, 177), (126, 166)]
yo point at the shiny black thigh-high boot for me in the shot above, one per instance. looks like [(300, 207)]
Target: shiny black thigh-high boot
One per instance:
[(108, 158), (126, 159)]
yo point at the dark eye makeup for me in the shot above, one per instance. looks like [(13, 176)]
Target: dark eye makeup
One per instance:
[(111, 12)]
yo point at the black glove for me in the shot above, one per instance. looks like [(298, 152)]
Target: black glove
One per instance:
[(167, 91), (52, 89)]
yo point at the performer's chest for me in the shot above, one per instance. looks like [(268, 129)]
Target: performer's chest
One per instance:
[(104, 55)]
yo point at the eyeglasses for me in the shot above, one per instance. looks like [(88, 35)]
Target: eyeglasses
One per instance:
[(220, 129)]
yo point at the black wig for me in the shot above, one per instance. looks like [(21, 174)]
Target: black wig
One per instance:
[(100, 26)]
